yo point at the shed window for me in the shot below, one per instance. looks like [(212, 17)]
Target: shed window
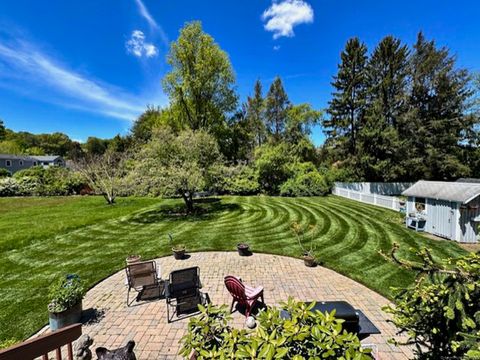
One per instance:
[(21, 162), (8, 163), (34, 163), (420, 204)]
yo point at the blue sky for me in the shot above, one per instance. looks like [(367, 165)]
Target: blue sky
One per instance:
[(90, 67)]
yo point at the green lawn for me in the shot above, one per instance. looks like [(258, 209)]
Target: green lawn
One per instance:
[(42, 238)]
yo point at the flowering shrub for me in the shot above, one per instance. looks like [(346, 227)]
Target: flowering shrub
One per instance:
[(305, 335)]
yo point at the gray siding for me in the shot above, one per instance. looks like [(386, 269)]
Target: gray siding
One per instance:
[(16, 164), (468, 227)]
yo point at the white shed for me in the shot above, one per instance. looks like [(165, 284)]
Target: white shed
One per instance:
[(447, 209)]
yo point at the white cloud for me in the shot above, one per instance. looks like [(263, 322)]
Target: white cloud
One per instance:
[(282, 17), (276, 47), (154, 26), (137, 46), (26, 69)]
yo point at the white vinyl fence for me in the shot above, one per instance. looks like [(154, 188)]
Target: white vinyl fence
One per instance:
[(379, 188), (390, 202)]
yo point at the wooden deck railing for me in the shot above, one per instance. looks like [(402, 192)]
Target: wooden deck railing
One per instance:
[(42, 345)]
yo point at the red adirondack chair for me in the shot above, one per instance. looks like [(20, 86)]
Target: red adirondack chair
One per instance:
[(243, 294)]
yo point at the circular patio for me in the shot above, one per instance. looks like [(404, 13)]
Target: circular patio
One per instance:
[(281, 277)]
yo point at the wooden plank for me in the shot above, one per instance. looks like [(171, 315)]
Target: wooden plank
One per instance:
[(42, 345)]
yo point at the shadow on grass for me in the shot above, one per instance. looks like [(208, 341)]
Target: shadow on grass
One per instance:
[(205, 209)]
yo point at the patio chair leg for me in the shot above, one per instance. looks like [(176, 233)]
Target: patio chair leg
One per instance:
[(168, 313), (128, 297)]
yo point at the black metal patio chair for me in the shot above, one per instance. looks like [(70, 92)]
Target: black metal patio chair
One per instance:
[(183, 292)]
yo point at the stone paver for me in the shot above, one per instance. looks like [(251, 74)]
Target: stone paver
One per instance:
[(146, 322)]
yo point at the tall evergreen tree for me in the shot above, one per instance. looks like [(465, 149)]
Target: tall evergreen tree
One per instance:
[(276, 108), (381, 146), (255, 114), (347, 108), (438, 122)]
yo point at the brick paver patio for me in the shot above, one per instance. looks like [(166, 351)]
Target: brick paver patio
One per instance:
[(146, 322)]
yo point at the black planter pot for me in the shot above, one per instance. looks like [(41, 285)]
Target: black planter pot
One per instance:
[(178, 254), (65, 318), (243, 250)]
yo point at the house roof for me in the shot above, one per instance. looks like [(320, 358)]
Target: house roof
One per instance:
[(15, 157), (45, 158), (443, 190)]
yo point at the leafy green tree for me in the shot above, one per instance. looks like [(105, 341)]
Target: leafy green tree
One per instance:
[(379, 140), (272, 164), (201, 83), (300, 119), (440, 314), (179, 165), (348, 105), (153, 117), (437, 121), (255, 114), (95, 146), (276, 108), (2, 130)]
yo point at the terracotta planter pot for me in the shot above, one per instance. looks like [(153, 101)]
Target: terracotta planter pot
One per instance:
[(132, 259), (309, 261), (65, 318)]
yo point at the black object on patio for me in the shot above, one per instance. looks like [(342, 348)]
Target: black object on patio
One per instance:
[(355, 320), (183, 292)]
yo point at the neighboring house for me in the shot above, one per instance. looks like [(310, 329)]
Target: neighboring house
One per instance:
[(49, 160), (447, 209), (14, 163)]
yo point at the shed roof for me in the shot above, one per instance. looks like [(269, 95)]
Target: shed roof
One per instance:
[(45, 157), (443, 190)]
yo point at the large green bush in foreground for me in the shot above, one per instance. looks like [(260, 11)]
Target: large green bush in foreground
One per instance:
[(441, 313), (306, 335)]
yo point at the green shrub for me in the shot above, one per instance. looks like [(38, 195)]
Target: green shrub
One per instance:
[(272, 164), (306, 335), (242, 180), (306, 181), (4, 173), (65, 293), (441, 313)]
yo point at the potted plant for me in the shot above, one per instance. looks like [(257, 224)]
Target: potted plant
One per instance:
[(243, 249), (132, 259), (178, 250), (308, 255), (65, 301)]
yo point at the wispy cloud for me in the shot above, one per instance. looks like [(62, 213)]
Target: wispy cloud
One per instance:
[(276, 47), (137, 45), (26, 68), (282, 17), (154, 26)]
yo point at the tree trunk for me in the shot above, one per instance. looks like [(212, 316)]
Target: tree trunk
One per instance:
[(188, 198), (110, 199)]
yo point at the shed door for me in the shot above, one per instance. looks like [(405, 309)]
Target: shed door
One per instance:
[(442, 217)]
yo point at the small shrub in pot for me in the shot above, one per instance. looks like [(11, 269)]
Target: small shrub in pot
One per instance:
[(65, 301)]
